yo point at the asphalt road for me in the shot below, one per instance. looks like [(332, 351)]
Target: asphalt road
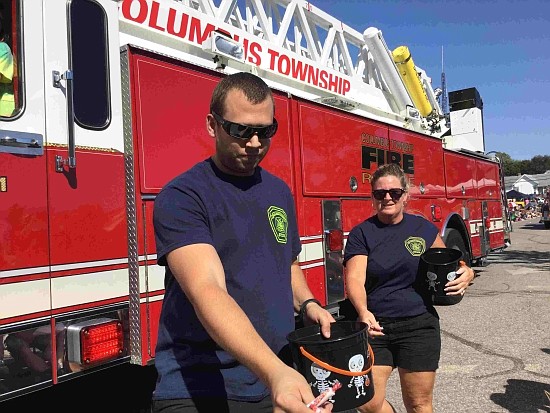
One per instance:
[(495, 357), (496, 341)]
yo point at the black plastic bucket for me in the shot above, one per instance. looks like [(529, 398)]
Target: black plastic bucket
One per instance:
[(438, 266), (346, 356)]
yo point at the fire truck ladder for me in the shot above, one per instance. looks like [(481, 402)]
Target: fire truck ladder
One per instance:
[(325, 42)]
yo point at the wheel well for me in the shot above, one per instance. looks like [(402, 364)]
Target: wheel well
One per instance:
[(455, 236)]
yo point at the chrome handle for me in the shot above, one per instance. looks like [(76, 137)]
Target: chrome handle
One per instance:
[(57, 77), (9, 141)]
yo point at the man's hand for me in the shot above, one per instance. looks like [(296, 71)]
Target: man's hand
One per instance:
[(315, 314), (291, 393)]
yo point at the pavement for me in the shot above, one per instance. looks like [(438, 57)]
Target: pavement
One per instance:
[(496, 341)]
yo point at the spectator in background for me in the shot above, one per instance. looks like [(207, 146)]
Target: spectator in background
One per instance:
[(7, 101)]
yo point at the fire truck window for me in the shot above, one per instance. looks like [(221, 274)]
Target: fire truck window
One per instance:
[(90, 64), (10, 79)]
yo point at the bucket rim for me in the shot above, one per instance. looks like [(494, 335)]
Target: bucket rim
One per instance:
[(298, 341), (432, 252)]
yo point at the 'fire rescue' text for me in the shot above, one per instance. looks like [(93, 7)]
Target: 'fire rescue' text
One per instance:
[(381, 150)]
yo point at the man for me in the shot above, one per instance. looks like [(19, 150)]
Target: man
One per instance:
[(226, 231)]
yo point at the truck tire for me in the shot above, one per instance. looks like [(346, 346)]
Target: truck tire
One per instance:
[(454, 240), (547, 224)]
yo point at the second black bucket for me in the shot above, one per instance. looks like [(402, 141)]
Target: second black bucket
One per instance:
[(345, 357), (438, 266)]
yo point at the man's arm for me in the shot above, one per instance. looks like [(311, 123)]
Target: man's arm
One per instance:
[(200, 274), (301, 292)]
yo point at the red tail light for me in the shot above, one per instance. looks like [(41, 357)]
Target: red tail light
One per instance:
[(487, 223), (95, 341)]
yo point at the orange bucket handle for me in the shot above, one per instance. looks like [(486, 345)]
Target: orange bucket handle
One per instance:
[(327, 366)]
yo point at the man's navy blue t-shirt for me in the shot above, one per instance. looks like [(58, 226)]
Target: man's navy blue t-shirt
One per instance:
[(393, 253), (251, 222)]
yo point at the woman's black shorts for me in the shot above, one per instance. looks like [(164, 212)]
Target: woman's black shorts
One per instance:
[(412, 343)]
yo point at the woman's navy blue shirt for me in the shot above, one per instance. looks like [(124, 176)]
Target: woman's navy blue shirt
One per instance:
[(392, 284)]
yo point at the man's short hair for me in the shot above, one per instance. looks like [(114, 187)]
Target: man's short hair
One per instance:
[(253, 87)]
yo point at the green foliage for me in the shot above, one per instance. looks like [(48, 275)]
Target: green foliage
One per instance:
[(539, 164)]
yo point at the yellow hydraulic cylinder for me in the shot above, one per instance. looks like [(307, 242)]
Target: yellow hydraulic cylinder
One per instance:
[(404, 62)]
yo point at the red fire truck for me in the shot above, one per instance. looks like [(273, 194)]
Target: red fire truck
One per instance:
[(109, 103)]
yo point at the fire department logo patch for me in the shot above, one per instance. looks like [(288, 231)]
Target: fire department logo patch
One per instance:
[(416, 246), (278, 222)]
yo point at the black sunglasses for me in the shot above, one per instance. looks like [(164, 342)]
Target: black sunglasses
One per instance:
[(395, 193), (238, 131)]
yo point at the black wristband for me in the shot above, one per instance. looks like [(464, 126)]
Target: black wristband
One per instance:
[(304, 304)]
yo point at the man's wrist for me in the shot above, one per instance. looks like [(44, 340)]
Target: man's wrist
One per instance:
[(303, 306)]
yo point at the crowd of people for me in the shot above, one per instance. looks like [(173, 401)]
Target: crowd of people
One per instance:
[(520, 210)]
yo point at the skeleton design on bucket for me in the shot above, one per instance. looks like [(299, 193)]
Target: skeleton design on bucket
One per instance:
[(356, 363), (321, 384), (431, 279)]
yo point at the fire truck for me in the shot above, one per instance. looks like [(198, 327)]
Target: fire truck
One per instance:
[(109, 103)]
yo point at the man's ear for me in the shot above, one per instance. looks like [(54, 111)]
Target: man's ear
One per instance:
[(211, 125)]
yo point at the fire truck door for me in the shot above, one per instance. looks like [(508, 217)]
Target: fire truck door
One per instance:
[(484, 235), (85, 157), (24, 271)]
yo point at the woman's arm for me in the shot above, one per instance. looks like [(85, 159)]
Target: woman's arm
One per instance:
[(355, 278)]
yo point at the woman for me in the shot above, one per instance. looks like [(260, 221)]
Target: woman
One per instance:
[(403, 324)]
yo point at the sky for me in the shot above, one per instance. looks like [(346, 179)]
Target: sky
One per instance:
[(501, 47)]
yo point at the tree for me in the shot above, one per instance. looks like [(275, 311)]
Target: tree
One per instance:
[(539, 164), (524, 166), (509, 166)]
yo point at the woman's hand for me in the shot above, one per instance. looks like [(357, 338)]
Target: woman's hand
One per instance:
[(465, 276), (374, 329)]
